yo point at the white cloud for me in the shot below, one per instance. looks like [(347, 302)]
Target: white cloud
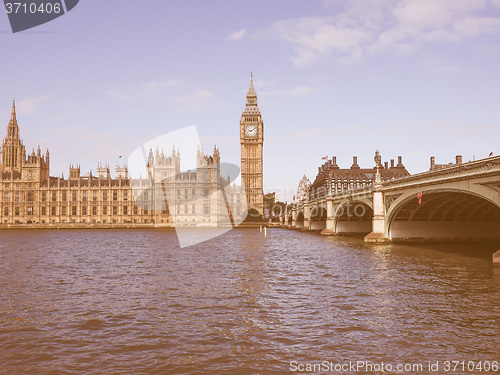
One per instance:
[(160, 85), (158, 89), (29, 105), (119, 94), (166, 91), (319, 36), (432, 14), (237, 35), (470, 27), (363, 27)]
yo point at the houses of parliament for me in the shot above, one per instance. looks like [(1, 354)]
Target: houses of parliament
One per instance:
[(167, 196)]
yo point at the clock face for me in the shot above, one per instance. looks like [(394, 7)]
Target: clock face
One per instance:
[(251, 130)]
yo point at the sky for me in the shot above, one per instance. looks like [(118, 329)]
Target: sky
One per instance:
[(416, 78)]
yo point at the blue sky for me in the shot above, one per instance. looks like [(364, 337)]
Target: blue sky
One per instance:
[(416, 78)]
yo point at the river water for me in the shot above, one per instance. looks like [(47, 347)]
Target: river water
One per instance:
[(133, 302)]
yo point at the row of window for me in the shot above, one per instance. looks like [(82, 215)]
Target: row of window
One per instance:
[(73, 211), (206, 193), (84, 210), (206, 209), (16, 211), (30, 196), (94, 195)]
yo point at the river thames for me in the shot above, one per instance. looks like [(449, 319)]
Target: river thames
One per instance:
[(134, 302)]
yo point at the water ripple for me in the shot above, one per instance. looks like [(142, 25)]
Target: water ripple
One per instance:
[(132, 302)]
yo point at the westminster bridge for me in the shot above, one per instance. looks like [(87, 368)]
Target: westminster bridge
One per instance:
[(459, 202)]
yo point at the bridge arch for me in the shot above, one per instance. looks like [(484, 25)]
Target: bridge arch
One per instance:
[(318, 216), (471, 212), (353, 216)]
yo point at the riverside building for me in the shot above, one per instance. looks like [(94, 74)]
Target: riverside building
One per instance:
[(332, 178), (167, 196)]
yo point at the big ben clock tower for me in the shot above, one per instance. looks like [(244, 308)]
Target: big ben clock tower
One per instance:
[(252, 139)]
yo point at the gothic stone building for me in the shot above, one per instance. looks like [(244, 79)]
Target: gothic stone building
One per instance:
[(302, 191), (167, 196)]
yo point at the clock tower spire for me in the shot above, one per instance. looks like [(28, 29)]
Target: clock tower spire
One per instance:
[(252, 140)]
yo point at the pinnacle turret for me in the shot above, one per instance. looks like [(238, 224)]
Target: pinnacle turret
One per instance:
[(251, 90), (13, 128), (13, 114), (251, 105), (13, 151)]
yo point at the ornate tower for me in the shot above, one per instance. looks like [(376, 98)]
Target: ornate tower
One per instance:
[(252, 139), (13, 151)]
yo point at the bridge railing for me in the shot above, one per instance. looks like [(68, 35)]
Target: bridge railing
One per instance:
[(478, 167), (358, 192)]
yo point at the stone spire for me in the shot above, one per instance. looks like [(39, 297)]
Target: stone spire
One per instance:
[(13, 151), (13, 115), (251, 105), (251, 90), (13, 128)]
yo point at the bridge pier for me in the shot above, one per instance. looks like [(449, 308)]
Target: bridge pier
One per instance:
[(294, 219), (307, 222), (378, 222), (330, 220), (496, 258)]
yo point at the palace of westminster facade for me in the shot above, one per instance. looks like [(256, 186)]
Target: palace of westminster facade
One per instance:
[(166, 197)]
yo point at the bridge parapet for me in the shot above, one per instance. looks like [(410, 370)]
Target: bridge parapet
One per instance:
[(358, 192), (466, 171)]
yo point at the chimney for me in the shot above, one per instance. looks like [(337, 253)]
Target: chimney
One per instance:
[(459, 159), (392, 163), (386, 165), (400, 161), (433, 163), (355, 163), (334, 162)]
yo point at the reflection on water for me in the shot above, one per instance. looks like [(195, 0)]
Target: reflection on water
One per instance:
[(133, 302)]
